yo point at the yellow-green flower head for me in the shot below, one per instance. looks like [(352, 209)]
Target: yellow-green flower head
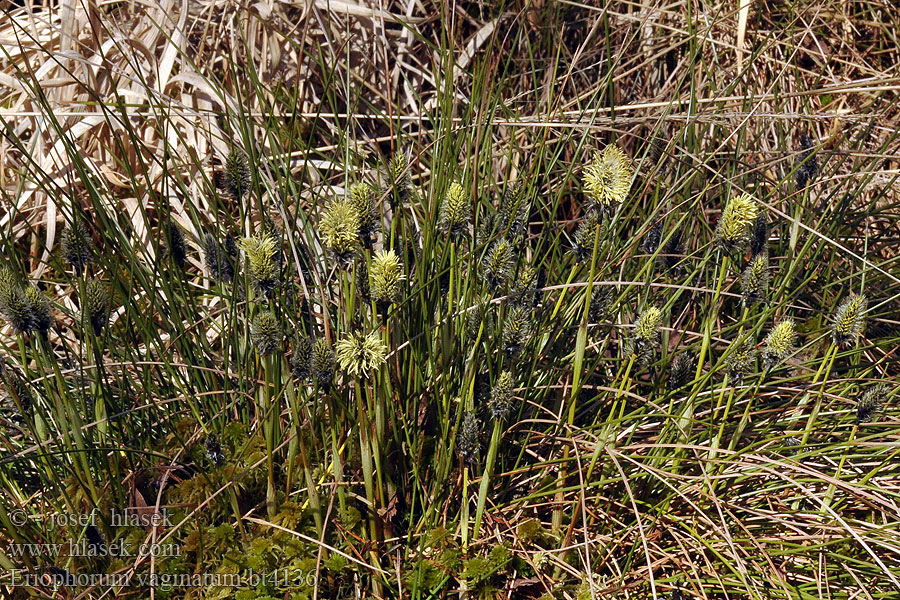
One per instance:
[(733, 227), (647, 325), (498, 262), (455, 211), (740, 360), (265, 333), (525, 280), (779, 342), (261, 250), (645, 337), (386, 276), (608, 178), (359, 353), (501, 396), (362, 198), (755, 281), (339, 228), (849, 320), (96, 305), (516, 329)]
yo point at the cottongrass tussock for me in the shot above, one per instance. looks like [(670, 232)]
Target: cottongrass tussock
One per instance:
[(469, 336)]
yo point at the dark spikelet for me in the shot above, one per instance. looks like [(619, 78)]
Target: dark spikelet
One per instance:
[(467, 443), (39, 313), (657, 152), (302, 358), (671, 254), (513, 212), (219, 260), (740, 361), (231, 246), (176, 244), (498, 263), (323, 364), (759, 237), (214, 450), (755, 280), (94, 538), (17, 387), (601, 300), (362, 281), (849, 320), (96, 306), (501, 396), (516, 330), (487, 229), (76, 246), (399, 182), (870, 403), (681, 371), (583, 247), (265, 333), (13, 303), (651, 240), (237, 173), (808, 163), (474, 318)]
